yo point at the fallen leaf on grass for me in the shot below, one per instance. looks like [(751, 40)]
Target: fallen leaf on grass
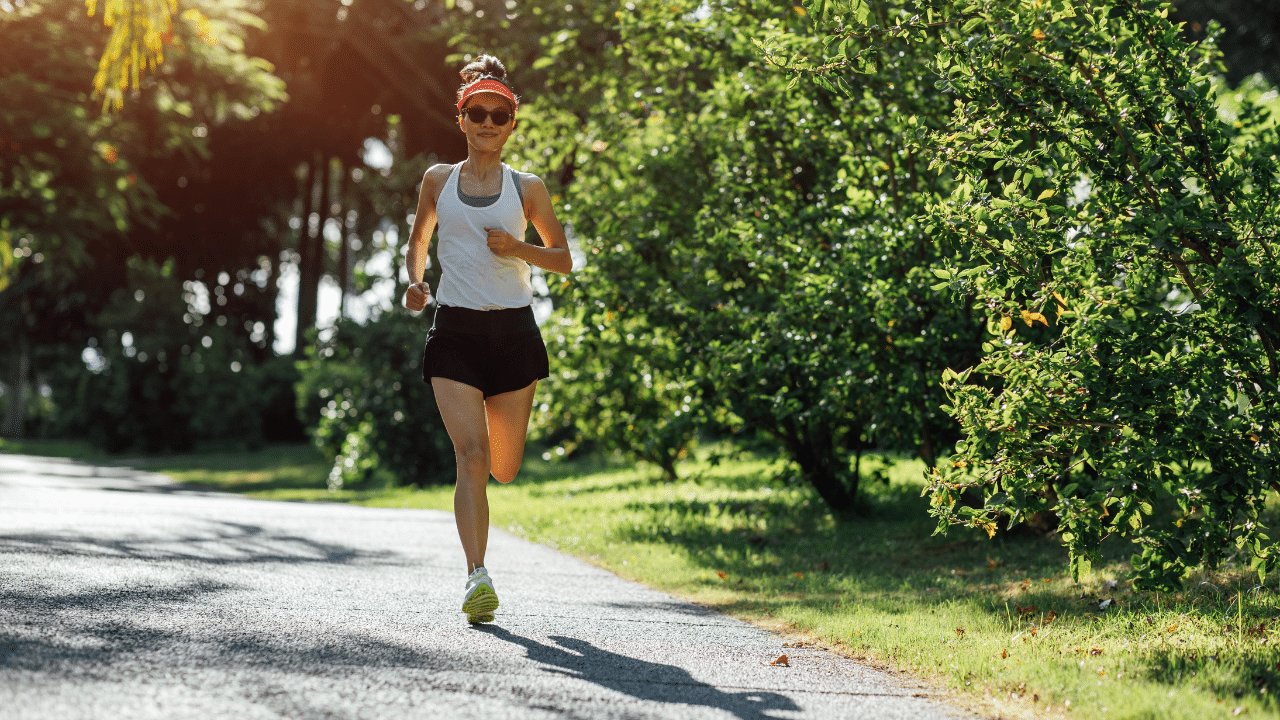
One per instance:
[(1049, 616), (1095, 651), (722, 574), (959, 632), (781, 660), (800, 575), (1004, 654)]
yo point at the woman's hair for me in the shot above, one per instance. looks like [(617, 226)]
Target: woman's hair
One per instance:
[(484, 66)]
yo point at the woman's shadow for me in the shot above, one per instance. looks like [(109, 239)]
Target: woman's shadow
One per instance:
[(641, 679)]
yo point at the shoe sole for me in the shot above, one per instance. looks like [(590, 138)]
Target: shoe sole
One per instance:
[(480, 619), (483, 601)]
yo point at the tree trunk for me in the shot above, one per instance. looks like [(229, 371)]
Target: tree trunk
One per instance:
[(344, 243), (814, 453), (310, 246), (273, 292)]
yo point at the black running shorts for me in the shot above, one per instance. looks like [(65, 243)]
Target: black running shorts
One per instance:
[(495, 351)]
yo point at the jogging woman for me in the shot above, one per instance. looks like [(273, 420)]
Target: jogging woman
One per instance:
[(484, 353)]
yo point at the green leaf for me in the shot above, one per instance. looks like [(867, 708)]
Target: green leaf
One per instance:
[(860, 9)]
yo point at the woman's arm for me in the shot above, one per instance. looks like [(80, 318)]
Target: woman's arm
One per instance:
[(554, 255), (424, 224)]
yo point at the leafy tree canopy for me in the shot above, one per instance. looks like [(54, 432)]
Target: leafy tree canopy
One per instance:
[(1123, 243)]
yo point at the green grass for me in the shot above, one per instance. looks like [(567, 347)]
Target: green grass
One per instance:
[(998, 621), (284, 469), (52, 448)]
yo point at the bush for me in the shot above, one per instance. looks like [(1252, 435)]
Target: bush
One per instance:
[(160, 379), (369, 411), (752, 261), (1124, 241)]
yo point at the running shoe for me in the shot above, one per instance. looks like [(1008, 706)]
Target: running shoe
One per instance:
[(479, 600)]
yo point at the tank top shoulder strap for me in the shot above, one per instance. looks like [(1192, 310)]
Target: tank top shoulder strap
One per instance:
[(515, 180), (450, 182)]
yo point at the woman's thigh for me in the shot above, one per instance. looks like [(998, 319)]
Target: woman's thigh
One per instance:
[(463, 409), (508, 416)]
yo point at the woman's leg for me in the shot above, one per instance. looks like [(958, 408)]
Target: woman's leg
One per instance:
[(508, 416), (463, 409)]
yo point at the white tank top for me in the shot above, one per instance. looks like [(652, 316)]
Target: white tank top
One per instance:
[(471, 275)]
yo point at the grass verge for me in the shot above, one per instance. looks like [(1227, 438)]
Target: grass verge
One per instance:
[(997, 621)]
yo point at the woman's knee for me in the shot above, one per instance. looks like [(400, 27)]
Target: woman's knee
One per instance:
[(505, 475), (473, 459)]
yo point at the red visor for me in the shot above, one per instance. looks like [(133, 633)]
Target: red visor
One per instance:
[(488, 85)]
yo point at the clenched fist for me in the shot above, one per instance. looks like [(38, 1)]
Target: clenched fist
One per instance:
[(501, 242), (415, 298)]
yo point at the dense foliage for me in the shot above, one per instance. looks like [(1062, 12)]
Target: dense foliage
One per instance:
[(73, 184), (1123, 242), (377, 418), (160, 378), (751, 262)]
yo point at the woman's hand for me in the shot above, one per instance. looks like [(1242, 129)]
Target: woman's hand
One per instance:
[(502, 243), (415, 298)]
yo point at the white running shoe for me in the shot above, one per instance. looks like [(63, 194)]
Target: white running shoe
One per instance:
[(479, 600)]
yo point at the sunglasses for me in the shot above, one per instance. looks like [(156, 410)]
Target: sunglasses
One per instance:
[(478, 116)]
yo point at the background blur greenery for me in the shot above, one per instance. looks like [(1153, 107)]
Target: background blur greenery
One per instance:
[(757, 262)]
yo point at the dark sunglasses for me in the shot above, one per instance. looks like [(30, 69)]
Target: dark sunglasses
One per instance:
[(478, 115)]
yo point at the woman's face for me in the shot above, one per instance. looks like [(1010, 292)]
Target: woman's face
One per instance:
[(487, 135)]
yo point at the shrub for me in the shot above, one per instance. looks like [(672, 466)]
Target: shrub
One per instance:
[(157, 381), (1124, 237), (752, 262), (368, 409)]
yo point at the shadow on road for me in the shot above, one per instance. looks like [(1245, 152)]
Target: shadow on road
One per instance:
[(225, 543), (642, 679), (110, 635)]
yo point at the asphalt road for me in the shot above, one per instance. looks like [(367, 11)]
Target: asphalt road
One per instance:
[(123, 595)]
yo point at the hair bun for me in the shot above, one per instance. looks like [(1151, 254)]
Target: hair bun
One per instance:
[(482, 66)]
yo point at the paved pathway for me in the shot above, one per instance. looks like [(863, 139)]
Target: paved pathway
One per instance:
[(123, 595)]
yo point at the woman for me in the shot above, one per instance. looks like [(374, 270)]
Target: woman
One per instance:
[(484, 353)]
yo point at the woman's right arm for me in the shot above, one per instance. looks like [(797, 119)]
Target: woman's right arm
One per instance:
[(424, 224)]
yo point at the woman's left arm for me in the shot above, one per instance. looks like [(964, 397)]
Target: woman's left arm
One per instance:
[(554, 256)]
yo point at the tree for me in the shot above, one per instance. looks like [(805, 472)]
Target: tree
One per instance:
[(1122, 236), (74, 180), (751, 263)]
